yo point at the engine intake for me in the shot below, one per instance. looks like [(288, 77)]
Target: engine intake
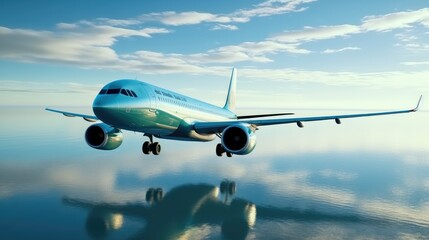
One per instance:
[(238, 139), (104, 137)]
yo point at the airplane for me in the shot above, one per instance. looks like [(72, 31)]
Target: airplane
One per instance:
[(156, 112), (189, 207)]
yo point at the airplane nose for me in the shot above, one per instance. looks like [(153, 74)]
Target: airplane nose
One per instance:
[(105, 107)]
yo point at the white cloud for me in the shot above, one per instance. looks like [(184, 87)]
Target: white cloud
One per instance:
[(245, 52), (416, 47), (273, 7), (190, 18), (371, 23), (91, 44), (82, 45), (225, 27), (117, 22), (264, 47), (328, 51), (154, 62), (392, 79), (415, 63), (67, 26), (150, 31), (405, 37), (396, 20), (264, 9), (183, 18), (47, 87), (313, 34)]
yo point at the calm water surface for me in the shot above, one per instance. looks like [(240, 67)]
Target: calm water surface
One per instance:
[(364, 179)]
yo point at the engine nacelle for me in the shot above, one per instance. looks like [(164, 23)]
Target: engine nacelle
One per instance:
[(239, 139), (103, 136)]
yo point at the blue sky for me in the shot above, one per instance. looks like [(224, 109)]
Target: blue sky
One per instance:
[(289, 53)]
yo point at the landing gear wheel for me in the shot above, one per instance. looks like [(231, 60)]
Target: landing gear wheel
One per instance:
[(155, 148), (158, 195), (232, 188), (228, 187), (146, 147), (154, 195), (228, 154), (219, 150), (149, 195), (223, 187)]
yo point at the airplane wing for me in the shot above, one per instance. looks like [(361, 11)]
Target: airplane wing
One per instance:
[(88, 118), (137, 210), (218, 127), (263, 115)]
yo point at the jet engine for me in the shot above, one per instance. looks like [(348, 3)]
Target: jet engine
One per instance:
[(103, 136), (239, 139)]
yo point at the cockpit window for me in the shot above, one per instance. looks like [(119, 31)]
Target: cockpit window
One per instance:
[(113, 91), (123, 91), (126, 92)]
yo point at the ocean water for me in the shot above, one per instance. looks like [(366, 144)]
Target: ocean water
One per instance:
[(364, 179)]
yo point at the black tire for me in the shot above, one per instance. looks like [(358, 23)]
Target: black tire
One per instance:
[(146, 147), (150, 195), (219, 150), (159, 195), (228, 154), (156, 148), (232, 188), (223, 187)]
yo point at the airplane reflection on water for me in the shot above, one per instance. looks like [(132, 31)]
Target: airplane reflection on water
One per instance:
[(192, 206)]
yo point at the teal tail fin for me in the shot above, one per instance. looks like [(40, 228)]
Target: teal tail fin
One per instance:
[(230, 99)]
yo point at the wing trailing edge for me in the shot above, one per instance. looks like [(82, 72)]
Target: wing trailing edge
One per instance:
[(88, 118), (217, 127)]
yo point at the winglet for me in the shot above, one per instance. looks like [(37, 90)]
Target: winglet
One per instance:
[(418, 104), (230, 99)]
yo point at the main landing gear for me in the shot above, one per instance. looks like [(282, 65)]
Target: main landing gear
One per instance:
[(154, 195), (220, 150), (151, 147)]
